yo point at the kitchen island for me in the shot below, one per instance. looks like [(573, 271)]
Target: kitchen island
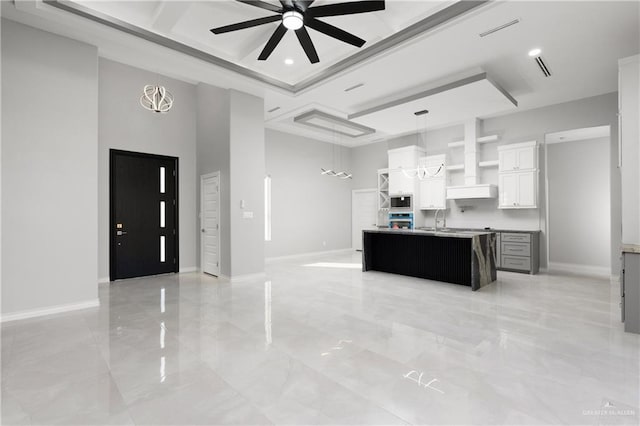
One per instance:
[(459, 257)]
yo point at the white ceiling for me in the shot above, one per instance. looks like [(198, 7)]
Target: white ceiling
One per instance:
[(580, 41), (465, 101), (190, 21)]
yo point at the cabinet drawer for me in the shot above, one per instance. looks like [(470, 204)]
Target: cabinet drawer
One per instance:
[(515, 262), (518, 238), (517, 249)]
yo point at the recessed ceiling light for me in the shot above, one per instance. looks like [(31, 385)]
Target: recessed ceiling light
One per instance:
[(535, 52), (288, 61)]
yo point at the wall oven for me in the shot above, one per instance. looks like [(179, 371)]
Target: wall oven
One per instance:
[(398, 220)]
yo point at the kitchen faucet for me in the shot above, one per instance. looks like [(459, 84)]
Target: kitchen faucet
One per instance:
[(444, 218)]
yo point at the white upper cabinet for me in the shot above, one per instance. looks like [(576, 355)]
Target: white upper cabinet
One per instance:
[(400, 183), (518, 176), (433, 186), (520, 156), (404, 158), (518, 190), (433, 194), (402, 165)]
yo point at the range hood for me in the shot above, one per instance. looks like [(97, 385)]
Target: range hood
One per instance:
[(466, 192), (471, 189)]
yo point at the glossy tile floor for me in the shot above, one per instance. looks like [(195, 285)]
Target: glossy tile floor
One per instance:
[(320, 342)]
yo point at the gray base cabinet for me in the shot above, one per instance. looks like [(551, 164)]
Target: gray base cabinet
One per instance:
[(519, 252), (630, 292)]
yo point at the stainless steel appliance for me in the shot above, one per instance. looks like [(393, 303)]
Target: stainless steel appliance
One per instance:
[(401, 202), (398, 220)]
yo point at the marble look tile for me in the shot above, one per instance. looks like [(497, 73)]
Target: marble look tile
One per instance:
[(194, 397), (96, 400), (12, 412), (313, 345)]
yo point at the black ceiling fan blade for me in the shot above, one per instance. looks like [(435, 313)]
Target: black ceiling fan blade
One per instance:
[(345, 8), (303, 5), (287, 4), (246, 24), (273, 42), (307, 45), (262, 5), (334, 32)]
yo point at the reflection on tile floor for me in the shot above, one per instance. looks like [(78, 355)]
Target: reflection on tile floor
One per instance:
[(314, 344)]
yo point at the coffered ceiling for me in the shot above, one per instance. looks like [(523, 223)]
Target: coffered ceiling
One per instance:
[(411, 47)]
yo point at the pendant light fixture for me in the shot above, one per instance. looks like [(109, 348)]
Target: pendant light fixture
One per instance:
[(156, 98), (330, 172), (425, 171)]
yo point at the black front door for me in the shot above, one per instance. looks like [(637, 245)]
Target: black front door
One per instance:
[(144, 214)]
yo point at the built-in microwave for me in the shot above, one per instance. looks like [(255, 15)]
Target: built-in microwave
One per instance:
[(401, 202)]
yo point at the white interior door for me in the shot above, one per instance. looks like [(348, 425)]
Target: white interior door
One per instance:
[(210, 223), (364, 214)]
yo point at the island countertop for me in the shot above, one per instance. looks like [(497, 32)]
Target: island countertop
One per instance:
[(455, 233)]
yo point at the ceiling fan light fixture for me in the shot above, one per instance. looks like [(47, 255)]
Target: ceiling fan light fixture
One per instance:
[(292, 20)]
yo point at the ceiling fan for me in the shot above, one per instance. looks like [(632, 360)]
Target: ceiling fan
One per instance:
[(297, 15)]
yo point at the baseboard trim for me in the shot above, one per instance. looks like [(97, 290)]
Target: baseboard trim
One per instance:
[(247, 277), (104, 280), (189, 269), (303, 255), (56, 309), (573, 268)]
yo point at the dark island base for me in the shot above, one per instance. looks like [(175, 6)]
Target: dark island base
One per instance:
[(466, 261)]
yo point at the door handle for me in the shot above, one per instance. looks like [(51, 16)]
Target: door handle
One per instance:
[(202, 229)]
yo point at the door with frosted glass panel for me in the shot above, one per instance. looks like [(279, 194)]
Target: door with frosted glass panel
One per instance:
[(144, 214)]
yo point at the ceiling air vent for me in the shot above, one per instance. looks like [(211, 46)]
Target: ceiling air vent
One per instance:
[(543, 66), (357, 86), (499, 27)]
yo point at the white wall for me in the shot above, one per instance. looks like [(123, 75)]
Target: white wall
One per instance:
[(630, 141), (579, 205), (230, 139), (512, 128), (49, 163), (212, 129), (247, 168), (0, 159), (124, 124), (310, 212)]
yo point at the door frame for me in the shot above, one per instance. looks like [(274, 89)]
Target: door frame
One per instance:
[(360, 191), (201, 213), (112, 212)]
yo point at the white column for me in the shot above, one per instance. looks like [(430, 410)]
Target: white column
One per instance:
[(471, 133)]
